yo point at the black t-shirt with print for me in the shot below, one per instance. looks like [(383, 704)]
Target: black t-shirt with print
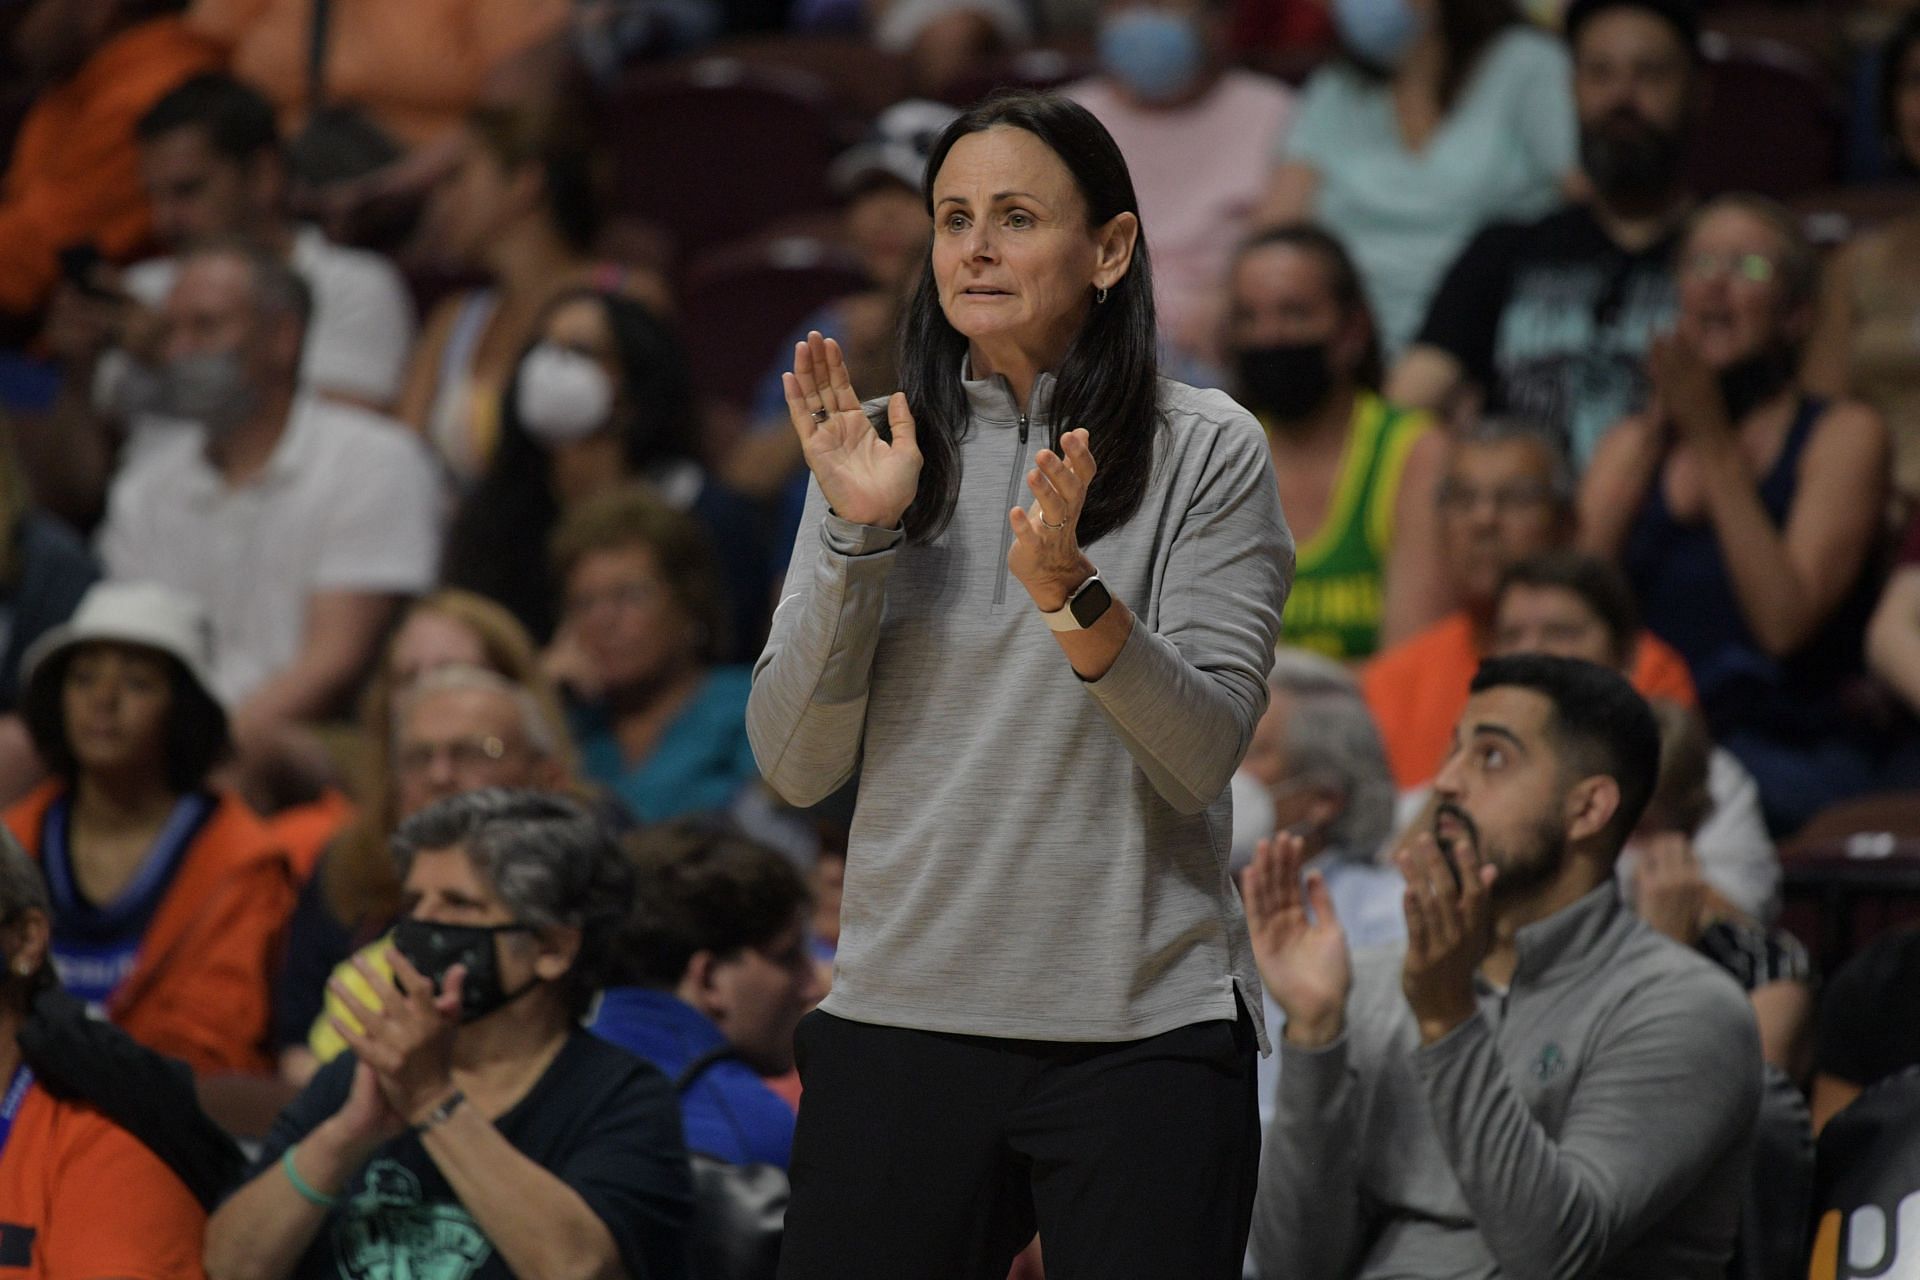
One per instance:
[(603, 1121), (1552, 319)]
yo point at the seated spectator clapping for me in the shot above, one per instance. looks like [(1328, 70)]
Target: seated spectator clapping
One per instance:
[(456, 729), (1745, 512), (1578, 606), (1537, 1084), (476, 1126)]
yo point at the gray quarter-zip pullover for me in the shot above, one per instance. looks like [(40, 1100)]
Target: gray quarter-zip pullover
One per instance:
[(1593, 1120), (1033, 855)]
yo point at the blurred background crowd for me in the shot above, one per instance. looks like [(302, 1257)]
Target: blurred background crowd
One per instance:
[(391, 412)]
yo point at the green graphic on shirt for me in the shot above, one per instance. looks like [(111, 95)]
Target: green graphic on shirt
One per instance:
[(388, 1232)]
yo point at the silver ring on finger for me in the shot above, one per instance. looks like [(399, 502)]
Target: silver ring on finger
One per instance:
[(1048, 524), (820, 416)]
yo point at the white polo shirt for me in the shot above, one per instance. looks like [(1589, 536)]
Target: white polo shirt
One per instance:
[(349, 501)]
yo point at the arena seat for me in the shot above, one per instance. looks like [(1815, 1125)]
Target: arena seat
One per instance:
[(714, 150), (1754, 79)]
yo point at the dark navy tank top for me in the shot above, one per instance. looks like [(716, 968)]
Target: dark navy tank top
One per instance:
[(1687, 595)]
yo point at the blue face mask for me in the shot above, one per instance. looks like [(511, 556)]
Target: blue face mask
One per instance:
[(1157, 55), (1378, 32)]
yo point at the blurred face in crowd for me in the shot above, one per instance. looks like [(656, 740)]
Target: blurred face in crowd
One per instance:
[(1732, 302), (1497, 507), (887, 227), (477, 200), (1299, 803), (196, 193), (1551, 620), (1503, 790), (1157, 52), (1292, 342), (632, 628), (214, 328), (757, 996), (452, 741), (56, 37), (1015, 262), (1632, 81), (1906, 105), (592, 464), (116, 699), (429, 640), (443, 886)]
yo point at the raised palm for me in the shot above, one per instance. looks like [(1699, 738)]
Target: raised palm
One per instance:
[(865, 479), (1302, 954)]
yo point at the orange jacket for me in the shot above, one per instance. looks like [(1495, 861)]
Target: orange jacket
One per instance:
[(1418, 688), (75, 173), (201, 986)]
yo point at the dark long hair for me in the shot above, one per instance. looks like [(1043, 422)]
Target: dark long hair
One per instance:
[(1108, 380), (498, 543)]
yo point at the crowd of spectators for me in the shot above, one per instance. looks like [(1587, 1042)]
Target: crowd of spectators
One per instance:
[(392, 519)]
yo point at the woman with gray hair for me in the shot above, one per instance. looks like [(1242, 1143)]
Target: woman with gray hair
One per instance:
[(475, 1128), (1316, 768)]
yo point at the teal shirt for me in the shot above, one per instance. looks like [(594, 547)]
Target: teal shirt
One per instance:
[(701, 763), (1501, 152)]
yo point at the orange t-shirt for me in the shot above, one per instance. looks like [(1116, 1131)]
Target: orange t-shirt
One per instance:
[(81, 1198), (75, 172), (1418, 688)]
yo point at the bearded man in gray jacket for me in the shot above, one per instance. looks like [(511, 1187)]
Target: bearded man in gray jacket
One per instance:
[(1536, 1084)]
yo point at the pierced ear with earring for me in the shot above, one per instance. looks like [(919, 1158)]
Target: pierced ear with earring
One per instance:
[(1100, 294)]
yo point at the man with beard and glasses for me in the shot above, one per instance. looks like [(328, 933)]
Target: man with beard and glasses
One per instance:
[(1357, 475), (1552, 319), (297, 522), (1537, 1084)]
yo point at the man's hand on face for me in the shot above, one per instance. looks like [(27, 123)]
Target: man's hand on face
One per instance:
[(1449, 931)]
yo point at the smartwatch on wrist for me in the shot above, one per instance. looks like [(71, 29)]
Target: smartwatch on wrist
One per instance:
[(1087, 604)]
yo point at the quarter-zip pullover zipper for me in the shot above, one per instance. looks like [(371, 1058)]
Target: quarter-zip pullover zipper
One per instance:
[(1006, 527)]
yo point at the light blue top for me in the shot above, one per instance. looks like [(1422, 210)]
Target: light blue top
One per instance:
[(700, 764), (1501, 152)]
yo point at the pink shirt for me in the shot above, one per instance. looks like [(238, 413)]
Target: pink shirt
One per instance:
[(1198, 170)]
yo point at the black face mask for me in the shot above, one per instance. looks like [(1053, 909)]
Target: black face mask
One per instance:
[(434, 949), (1630, 161), (1747, 384), (1284, 382)]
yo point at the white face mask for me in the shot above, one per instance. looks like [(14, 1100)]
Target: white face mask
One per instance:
[(563, 395), (1253, 816)]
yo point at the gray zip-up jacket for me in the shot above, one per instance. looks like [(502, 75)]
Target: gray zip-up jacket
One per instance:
[(1033, 855), (1595, 1119)]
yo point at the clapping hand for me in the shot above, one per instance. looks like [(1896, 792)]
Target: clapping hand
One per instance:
[(1302, 957), (404, 1040), (1449, 931), (1046, 555), (865, 479), (1686, 392)]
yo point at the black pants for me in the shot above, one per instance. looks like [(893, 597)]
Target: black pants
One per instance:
[(925, 1156)]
